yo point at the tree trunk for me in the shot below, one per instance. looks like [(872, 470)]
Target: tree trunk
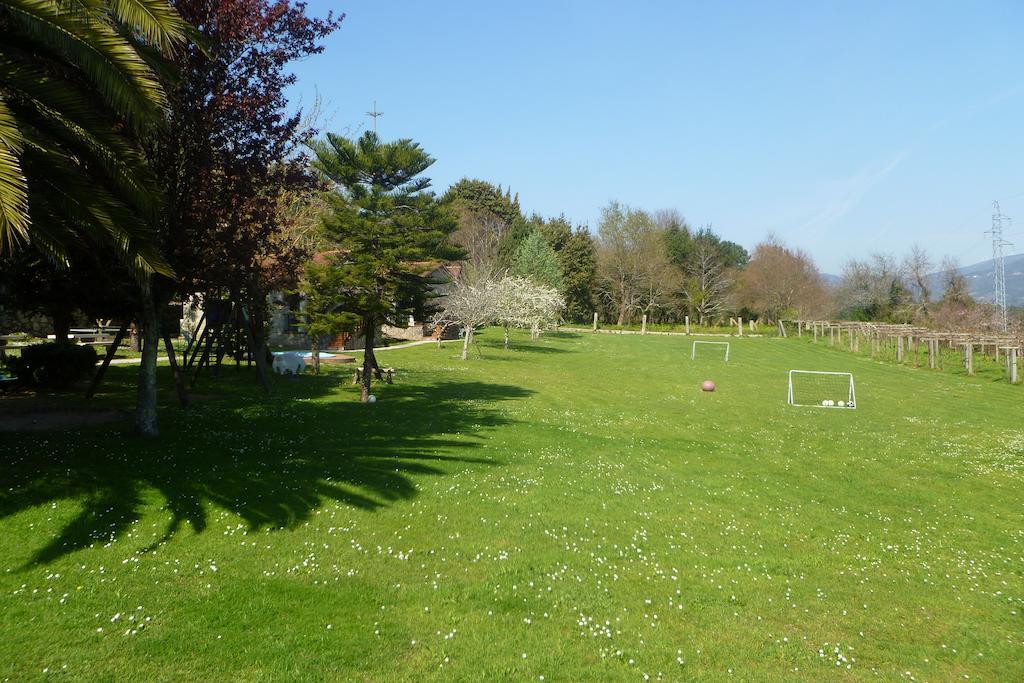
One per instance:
[(109, 356), (465, 343), (145, 404), (622, 313), (506, 337), (369, 360), (258, 350), (61, 325), (134, 342), (314, 348)]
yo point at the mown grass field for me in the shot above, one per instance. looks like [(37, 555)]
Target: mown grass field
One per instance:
[(571, 509)]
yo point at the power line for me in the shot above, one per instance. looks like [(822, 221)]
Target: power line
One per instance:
[(998, 264)]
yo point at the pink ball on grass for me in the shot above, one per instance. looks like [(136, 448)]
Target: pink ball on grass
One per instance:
[(707, 385)]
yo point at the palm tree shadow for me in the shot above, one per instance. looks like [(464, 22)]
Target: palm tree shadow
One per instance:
[(271, 461)]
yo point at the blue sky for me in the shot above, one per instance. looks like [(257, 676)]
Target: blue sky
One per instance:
[(843, 127)]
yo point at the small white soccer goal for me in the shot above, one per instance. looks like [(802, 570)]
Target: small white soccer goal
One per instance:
[(821, 389), (710, 349)]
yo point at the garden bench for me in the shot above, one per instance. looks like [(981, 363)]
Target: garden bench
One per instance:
[(388, 373)]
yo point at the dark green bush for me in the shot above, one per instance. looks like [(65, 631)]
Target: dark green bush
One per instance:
[(53, 365)]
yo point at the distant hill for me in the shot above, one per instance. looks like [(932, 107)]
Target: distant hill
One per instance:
[(981, 285), (979, 280)]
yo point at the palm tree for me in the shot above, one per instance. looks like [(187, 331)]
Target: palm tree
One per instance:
[(80, 82)]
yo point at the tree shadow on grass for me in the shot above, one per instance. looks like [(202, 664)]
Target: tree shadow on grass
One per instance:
[(271, 461)]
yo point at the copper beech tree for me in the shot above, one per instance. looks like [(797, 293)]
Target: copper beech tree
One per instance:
[(229, 154)]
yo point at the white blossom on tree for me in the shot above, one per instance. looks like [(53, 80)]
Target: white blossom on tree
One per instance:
[(510, 301), (523, 303), (469, 305)]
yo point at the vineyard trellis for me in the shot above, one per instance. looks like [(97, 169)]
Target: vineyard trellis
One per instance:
[(917, 345)]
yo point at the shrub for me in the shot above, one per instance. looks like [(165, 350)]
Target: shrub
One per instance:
[(53, 365)]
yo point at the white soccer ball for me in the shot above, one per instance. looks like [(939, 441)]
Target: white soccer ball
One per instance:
[(850, 405), (842, 404), (824, 403), (371, 399)]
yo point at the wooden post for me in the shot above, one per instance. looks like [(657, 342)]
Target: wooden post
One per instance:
[(643, 325), (969, 357), (102, 370), (1011, 359), (815, 327), (179, 378), (899, 348), (739, 326), (687, 324), (595, 321), (831, 335)]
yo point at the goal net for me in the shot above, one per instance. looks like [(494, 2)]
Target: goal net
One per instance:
[(821, 389), (710, 349)]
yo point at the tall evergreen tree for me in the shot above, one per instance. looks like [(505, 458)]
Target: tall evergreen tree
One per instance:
[(578, 257), (536, 261), (384, 223), (480, 195)]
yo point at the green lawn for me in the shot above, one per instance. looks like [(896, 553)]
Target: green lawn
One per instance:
[(572, 509)]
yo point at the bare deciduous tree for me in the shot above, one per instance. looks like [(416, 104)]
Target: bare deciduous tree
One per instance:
[(633, 268), (918, 267), (873, 289), (707, 284), (780, 281), (658, 280), (479, 234), (618, 258)]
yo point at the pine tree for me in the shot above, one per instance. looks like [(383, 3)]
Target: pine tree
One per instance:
[(384, 224), (537, 261), (579, 268)]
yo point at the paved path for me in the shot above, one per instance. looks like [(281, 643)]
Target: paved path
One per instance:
[(652, 332), (135, 361), (377, 349)]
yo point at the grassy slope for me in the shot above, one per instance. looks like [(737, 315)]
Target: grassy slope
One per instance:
[(573, 509)]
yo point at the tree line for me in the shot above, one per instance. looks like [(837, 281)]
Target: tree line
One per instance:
[(148, 154), (653, 263)]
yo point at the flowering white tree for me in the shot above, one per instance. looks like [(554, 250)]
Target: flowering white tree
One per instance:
[(469, 306), (510, 302), (523, 303)]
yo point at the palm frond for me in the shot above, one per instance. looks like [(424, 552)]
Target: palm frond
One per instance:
[(108, 60), (156, 20), (71, 120), (72, 198), (14, 220)]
